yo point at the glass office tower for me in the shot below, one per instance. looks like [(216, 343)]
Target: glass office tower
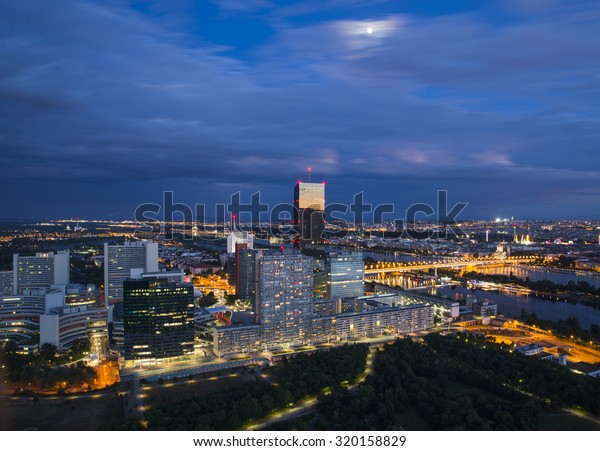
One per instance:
[(158, 319)]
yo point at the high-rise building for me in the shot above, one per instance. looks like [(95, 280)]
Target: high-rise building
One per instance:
[(120, 260), (6, 283), (320, 284), (345, 275), (42, 270), (244, 272), (309, 209), (284, 293), (158, 319), (238, 236)]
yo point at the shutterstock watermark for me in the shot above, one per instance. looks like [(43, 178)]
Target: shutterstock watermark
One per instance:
[(173, 219)]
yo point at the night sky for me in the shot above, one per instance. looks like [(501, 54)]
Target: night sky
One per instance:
[(106, 104)]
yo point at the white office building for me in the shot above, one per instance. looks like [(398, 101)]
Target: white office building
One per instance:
[(238, 236), (6, 283), (42, 270), (120, 260)]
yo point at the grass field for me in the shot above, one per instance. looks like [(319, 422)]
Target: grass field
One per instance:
[(63, 414), (156, 394)]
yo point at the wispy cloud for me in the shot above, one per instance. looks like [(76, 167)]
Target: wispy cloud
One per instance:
[(490, 157)]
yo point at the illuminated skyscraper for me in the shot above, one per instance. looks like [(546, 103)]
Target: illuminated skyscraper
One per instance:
[(309, 209), (284, 294), (158, 319)]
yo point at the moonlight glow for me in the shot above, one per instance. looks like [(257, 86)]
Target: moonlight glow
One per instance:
[(369, 30)]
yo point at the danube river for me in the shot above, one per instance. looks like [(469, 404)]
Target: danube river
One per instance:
[(512, 305), (536, 273)]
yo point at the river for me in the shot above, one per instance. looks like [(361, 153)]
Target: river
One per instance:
[(538, 273), (393, 256), (511, 305)]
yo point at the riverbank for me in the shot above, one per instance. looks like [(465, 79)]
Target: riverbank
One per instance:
[(574, 293)]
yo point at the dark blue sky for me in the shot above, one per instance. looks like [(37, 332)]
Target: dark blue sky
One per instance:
[(106, 104)]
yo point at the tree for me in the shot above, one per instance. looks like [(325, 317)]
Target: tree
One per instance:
[(208, 300), (80, 347), (11, 347), (48, 352)]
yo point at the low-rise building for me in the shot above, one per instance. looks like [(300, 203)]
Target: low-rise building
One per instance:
[(585, 368), (485, 309), (530, 349), (371, 323), (203, 268)]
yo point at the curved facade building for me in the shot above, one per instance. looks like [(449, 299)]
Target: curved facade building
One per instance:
[(20, 315)]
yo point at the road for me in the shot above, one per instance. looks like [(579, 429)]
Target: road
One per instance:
[(582, 415), (206, 365), (303, 408), (521, 334), (67, 397), (169, 372)]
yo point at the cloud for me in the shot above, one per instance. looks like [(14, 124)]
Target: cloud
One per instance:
[(492, 158), (129, 98), (244, 5)]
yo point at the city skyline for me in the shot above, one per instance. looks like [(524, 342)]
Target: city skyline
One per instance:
[(495, 103), (342, 223), (185, 315)]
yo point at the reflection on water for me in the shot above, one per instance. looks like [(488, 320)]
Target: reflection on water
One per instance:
[(534, 274), (408, 281), (392, 256), (513, 304)]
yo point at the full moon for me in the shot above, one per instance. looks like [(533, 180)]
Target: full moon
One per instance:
[(369, 30)]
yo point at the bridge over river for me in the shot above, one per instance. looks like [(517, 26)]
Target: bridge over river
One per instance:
[(397, 267)]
